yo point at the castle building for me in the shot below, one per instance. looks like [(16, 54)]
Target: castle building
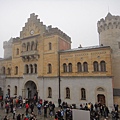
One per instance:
[(41, 62), (109, 34)]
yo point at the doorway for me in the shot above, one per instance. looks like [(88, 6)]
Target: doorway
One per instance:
[(101, 98)]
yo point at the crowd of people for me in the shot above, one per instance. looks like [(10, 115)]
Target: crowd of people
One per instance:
[(47, 109)]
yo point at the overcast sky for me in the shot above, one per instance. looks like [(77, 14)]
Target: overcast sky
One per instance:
[(77, 18)]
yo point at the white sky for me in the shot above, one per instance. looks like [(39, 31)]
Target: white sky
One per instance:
[(77, 18)]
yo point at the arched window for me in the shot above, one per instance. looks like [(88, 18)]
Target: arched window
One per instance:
[(17, 51), (32, 45), (49, 92), (31, 68), (23, 47), (70, 67), (49, 68), (85, 67), (3, 70), (16, 70), (103, 66), (26, 69), (35, 67), (9, 71), (95, 66), (15, 90), (8, 93), (83, 94), (28, 46), (64, 67), (67, 93), (50, 46), (79, 67)]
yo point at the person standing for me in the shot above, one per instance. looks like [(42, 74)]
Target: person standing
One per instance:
[(14, 112), (7, 108), (32, 107), (27, 107), (39, 108)]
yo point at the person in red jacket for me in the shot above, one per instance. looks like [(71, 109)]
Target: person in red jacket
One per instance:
[(27, 107)]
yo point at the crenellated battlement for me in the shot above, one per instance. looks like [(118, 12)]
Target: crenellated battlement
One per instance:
[(50, 31), (110, 22), (8, 44)]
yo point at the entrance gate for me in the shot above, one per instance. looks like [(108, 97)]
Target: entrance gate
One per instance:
[(30, 90)]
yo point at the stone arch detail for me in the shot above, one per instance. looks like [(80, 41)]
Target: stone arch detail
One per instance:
[(26, 85), (101, 92)]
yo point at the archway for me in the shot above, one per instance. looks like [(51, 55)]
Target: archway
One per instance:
[(30, 90), (101, 99)]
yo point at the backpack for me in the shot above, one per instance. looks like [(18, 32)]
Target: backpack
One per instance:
[(39, 106)]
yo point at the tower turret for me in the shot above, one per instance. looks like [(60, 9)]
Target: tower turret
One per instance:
[(109, 31), (109, 34), (7, 45)]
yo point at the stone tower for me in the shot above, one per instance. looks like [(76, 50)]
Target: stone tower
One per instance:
[(109, 34), (7, 45)]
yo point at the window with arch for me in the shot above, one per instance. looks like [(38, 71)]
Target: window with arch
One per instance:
[(26, 69), (9, 71), (31, 68), (15, 90), (64, 67), (79, 67), (35, 67), (17, 51), (23, 47), (68, 93), (49, 92), (83, 94), (95, 66), (49, 68), (85, 67), (28, 46), (70, 67), (16, 70), (32, 45), (103, 66), (3, 70), (50, 46)]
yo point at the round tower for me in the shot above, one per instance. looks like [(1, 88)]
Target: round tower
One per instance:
[(8, 48), (109, 34)]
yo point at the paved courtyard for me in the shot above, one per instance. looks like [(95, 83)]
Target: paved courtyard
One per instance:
[(39, 117)]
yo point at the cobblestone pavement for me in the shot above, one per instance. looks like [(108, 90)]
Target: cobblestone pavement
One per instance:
[(39, 117)]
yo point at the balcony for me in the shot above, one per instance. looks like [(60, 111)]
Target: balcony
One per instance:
[(30, 55)]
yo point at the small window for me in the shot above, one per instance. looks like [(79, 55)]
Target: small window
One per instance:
[(49, 92), (70, 67), (83, 94), (16, 70), (103, 66), (3, 70), (15, 90), (79, 67), (67, 93), (31, 68), (9, 71), (32, 45), (49, 68), (35, 66), (17, 52), (64, 68), (85, 67), (95, 66), (26, 69), (50, 46)]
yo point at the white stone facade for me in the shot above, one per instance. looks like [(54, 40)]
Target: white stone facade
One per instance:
[(91, 85)]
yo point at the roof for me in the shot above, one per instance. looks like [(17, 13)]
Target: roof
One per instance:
[(85, 48)]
